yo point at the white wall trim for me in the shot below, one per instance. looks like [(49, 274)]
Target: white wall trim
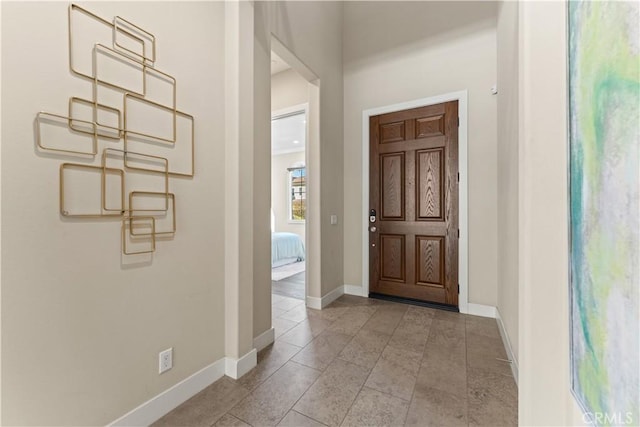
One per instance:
[(235, 368), (332, 296), (264, 339), (320, 303), (153, 409), (507, 346), (356, 290), (288, 151), (481, 310), (287, 111), (290, 58), (463, 207), (314, 302)]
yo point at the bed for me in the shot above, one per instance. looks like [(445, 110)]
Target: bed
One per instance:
[(286, 248)]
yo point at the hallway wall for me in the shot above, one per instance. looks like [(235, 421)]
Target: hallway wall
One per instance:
[(312, 31), (288, 88), (401, 51), (508, 122), (81, 324), (544, 385)]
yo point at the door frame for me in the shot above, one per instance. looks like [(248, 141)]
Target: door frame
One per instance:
[(463, 206)]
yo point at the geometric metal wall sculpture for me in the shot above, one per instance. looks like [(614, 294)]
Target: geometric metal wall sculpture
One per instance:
[(132, 123)]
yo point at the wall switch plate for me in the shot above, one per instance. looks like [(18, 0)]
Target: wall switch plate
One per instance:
[(334, 219), (166, 360)]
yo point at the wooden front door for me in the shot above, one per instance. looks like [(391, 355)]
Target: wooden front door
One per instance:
[(413, 239)]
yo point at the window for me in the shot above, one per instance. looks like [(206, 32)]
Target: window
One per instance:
[(297, 194)]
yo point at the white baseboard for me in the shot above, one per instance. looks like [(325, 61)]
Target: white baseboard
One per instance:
[(315, 303), (235, 368), (356, 290), (320, 303), (155, 408), (481, 310), (332, 296), (507, 346), (264, 339)]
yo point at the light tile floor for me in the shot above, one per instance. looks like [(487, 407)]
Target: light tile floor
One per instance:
[(365, 362)]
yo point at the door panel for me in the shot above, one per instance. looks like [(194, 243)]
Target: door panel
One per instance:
[(392, 250), (414, 191), (429, 126), (392, 185), (430, 261), (430, 164), (392, 132)]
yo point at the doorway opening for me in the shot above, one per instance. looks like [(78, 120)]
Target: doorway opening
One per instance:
[(295, 197), (288, 187)]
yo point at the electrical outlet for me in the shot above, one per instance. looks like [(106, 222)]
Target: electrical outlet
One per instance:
[(166, 360)]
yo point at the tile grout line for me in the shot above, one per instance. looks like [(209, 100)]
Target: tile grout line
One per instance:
[(304, 414), (301, 396)]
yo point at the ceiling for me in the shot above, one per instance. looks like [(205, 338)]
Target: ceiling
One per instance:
[(278, 64), (285, 131)]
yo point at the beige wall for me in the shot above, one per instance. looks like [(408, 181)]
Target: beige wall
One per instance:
[(81, 326), (507, 42), (312, 31), (280, 192), (242, 252), (401, 51), (544, 396), (288, 88), (261, 316)]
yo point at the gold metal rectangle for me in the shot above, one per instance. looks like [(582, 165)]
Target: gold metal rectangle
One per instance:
[(152, 235), (43, 114), (154, 104), (111, 27), (132, 210), (72, 8), (124, 153), (188, 117), (123, 58), (104, 170), (96, 106)]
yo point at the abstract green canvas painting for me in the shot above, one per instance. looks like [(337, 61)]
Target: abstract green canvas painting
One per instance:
[(604, 128)]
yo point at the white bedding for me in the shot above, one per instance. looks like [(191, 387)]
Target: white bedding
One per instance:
[(286, 248)]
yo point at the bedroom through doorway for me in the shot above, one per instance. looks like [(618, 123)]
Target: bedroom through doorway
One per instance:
[(289, 136)]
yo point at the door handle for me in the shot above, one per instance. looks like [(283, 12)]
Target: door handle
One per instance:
[(373, 229)]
